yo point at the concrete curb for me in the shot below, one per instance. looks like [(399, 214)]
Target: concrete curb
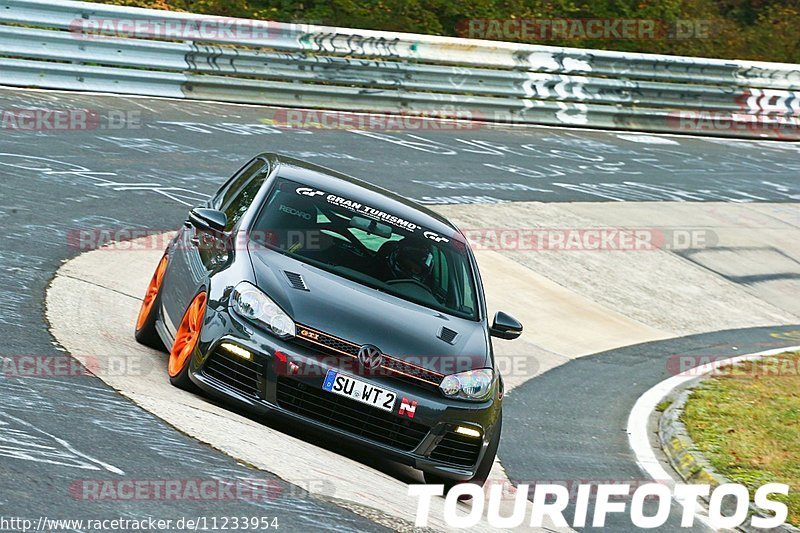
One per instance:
[(683, 454), (686, 459)]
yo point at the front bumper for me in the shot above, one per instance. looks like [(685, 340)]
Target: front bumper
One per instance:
[(289, 384)]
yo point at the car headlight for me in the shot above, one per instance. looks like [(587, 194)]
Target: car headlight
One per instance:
[(475, 385), (250, 303)]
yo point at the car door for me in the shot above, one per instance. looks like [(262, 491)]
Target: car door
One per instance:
[(198, 252)]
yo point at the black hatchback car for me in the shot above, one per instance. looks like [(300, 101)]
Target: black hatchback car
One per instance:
[(300, 291)]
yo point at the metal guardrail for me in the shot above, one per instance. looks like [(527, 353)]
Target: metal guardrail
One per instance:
[(63, 44)]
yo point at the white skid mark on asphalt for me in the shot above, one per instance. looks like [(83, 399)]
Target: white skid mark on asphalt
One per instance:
[(50, 167), (32, 450), (646, 139)]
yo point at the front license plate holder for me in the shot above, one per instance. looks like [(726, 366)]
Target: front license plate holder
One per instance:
[(360, 391)]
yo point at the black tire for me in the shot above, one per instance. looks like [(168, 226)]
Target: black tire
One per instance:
[(183, 381), (147, 334), (484, 468)]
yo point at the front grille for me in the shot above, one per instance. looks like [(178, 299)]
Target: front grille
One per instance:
[(322, 340), (457, 449), (349, 415), (391, 367), (239, 374)]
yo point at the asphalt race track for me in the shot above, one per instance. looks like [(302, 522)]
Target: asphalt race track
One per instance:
[(181, 149), (150, 159)]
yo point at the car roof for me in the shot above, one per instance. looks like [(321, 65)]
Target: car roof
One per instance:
[(335, 182)]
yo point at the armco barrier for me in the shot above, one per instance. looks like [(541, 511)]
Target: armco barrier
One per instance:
[(82, 46)]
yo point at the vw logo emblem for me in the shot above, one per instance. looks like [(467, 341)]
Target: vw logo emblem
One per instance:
[(370, 356)]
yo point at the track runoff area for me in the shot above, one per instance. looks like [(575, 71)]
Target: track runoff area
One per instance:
[(553, 213)]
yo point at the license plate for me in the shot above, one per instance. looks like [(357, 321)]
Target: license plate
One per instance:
[(361, 391)]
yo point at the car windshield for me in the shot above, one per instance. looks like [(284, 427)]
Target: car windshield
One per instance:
[(367, 245)]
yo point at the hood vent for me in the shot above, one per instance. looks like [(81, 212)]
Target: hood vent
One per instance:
[(448, 335), (296, 280)]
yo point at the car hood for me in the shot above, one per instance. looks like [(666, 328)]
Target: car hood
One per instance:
[(362, 315)]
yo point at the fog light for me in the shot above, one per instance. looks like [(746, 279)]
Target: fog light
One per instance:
[(238, 351), (468, 432)]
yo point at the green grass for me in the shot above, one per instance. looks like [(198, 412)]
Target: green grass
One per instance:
[(747, 424), (662, 406)]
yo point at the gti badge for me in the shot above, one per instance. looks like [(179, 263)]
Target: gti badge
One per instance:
[(408, 407), (310, 334), (370, 356)]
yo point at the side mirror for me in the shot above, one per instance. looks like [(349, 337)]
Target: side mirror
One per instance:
[(505, 326), (208, 219)]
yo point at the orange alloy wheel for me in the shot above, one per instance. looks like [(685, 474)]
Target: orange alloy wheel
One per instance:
[(152, 292), (188, 334)]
